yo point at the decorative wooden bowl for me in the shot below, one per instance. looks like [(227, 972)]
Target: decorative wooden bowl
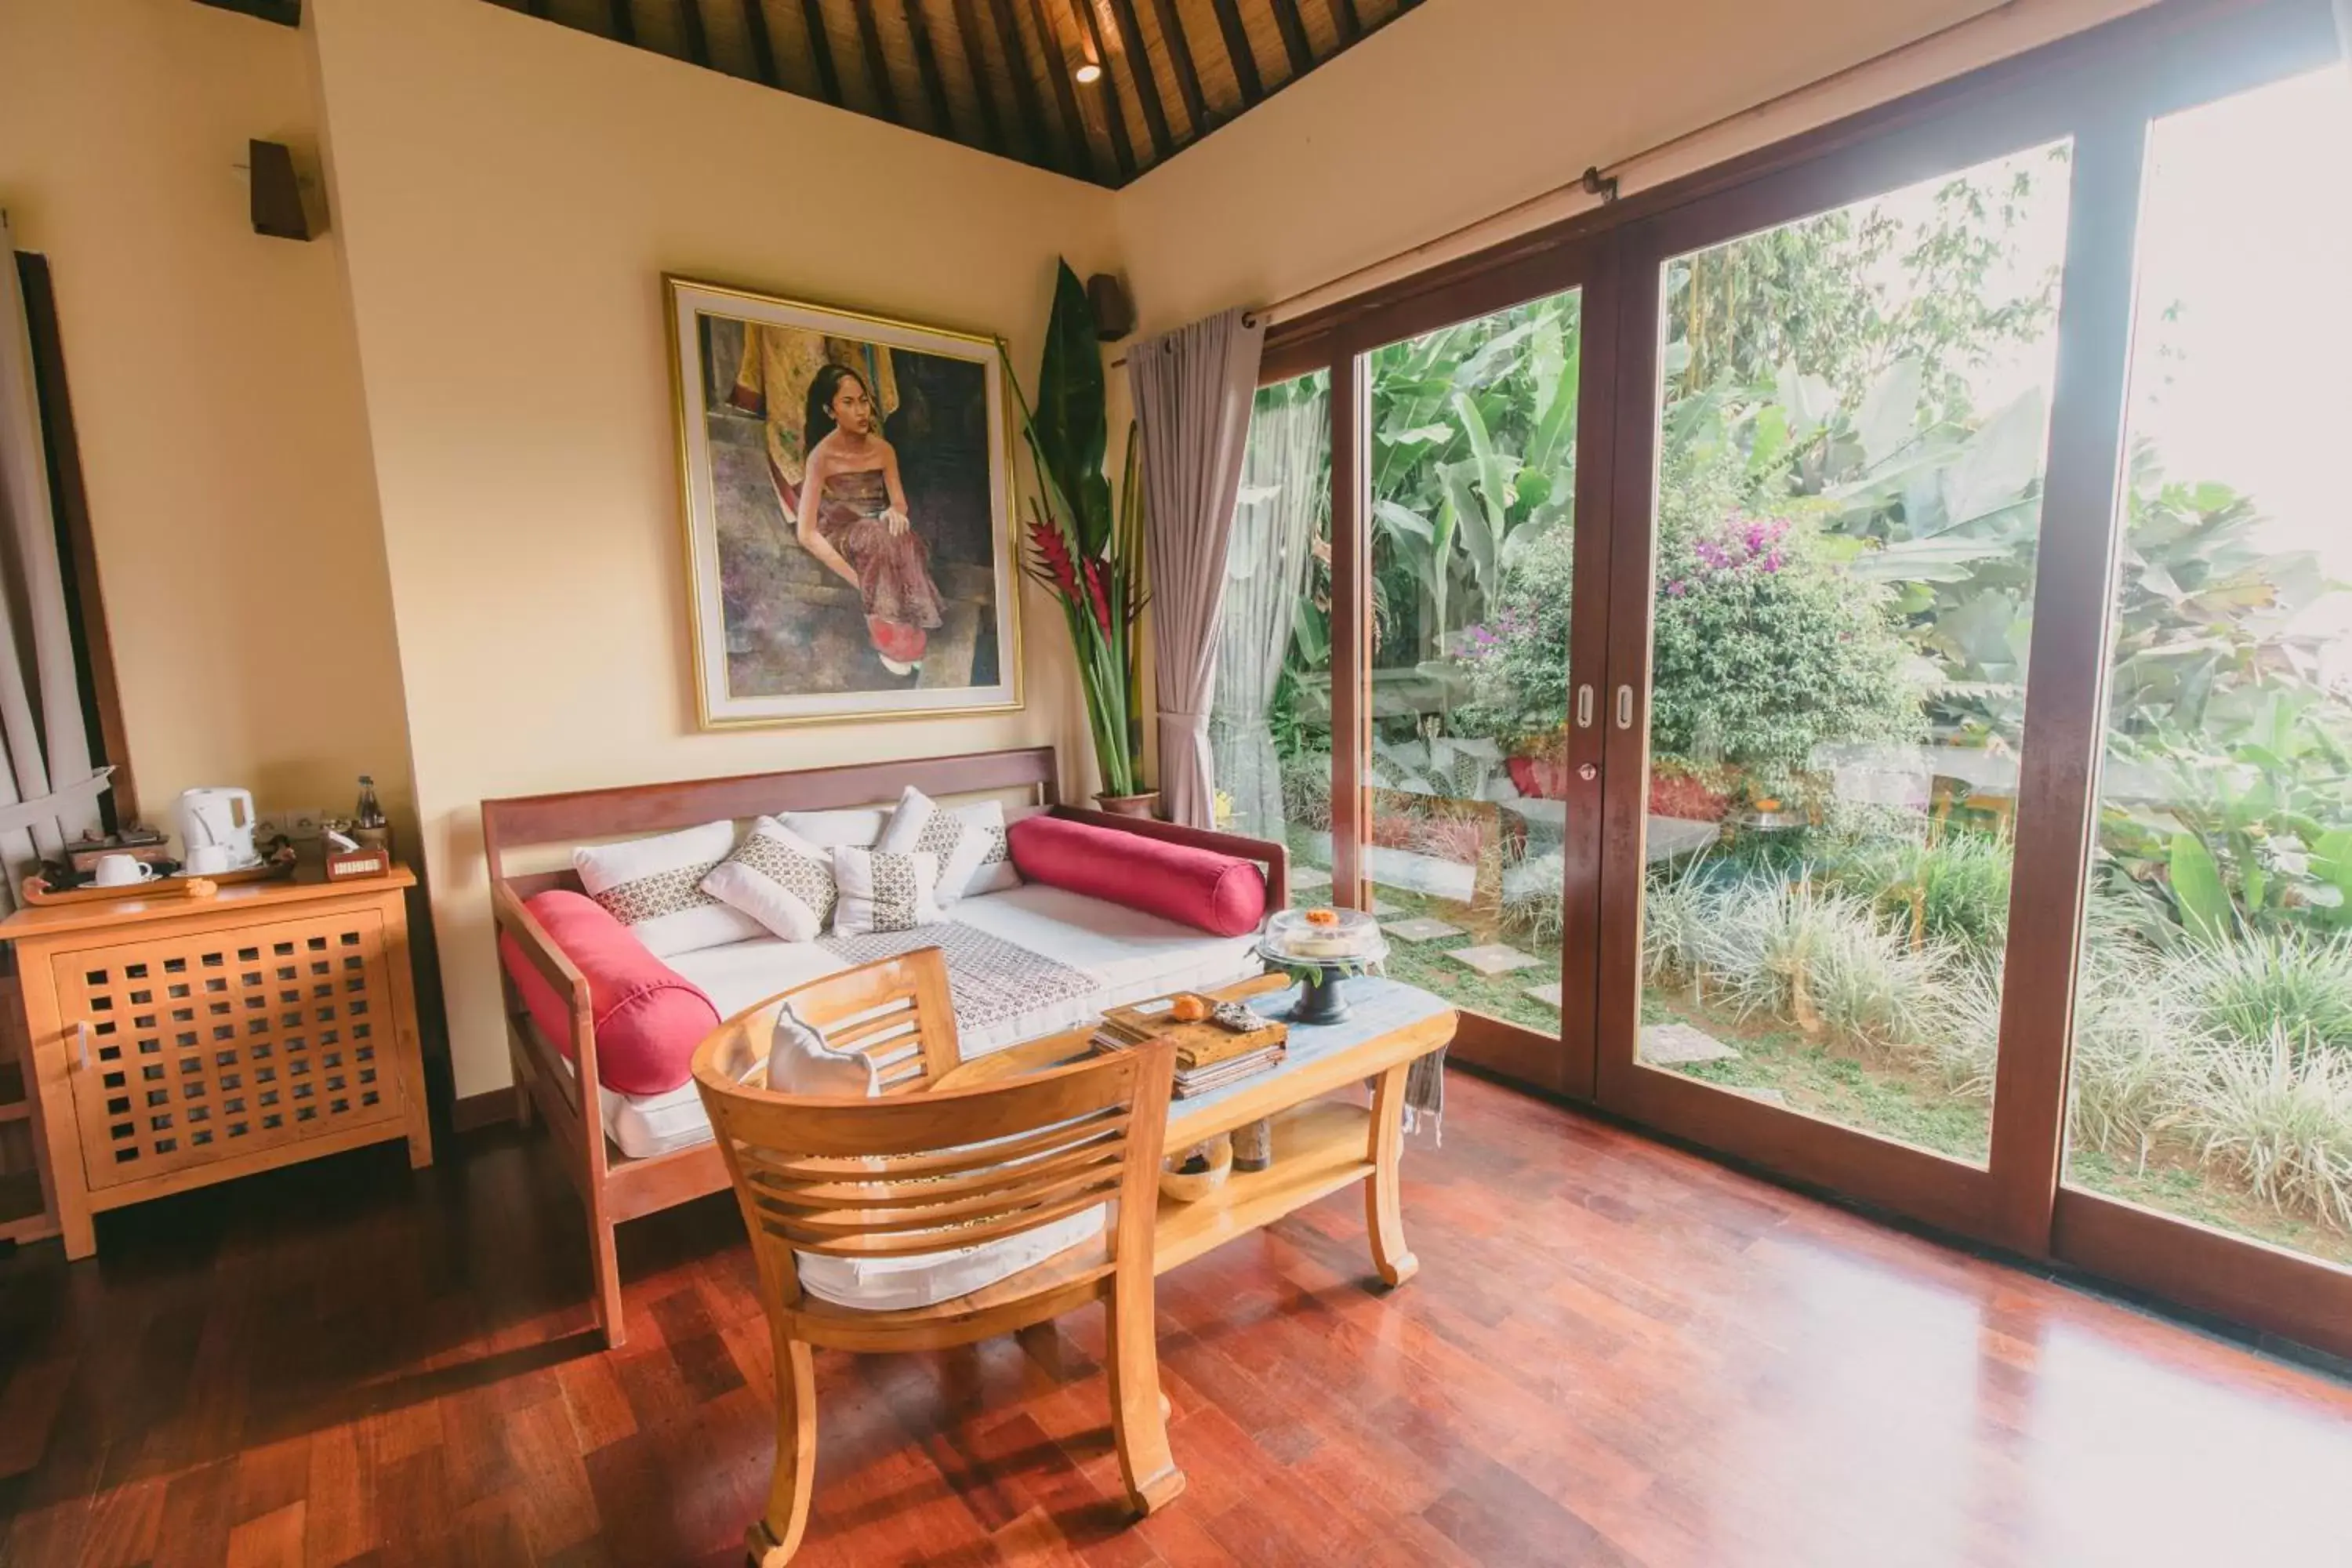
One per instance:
[(1199, 1184)]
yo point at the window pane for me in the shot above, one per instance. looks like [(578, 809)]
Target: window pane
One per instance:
[(1472, 459), (1851, 443), (1270, 728), (2213, 1026)]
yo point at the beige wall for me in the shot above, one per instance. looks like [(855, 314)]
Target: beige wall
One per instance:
[(510, 193), (1456, 110), (217, 397)]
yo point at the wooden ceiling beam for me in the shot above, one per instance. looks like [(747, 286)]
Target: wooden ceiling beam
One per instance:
[(763, 46), (927, 66), (828, 72), (878, 66), (1293, 27), (697, 42), (1024, 87), (1066, 92), (1146, 83), (1350, 24), (1180, 55), (975, 65), (625, 21), (1114, 114), (1237, 49)]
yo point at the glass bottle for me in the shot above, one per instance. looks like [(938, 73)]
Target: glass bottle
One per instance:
[(370, 813)]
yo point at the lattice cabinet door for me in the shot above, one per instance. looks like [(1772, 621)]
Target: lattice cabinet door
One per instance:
[(201, 1047)]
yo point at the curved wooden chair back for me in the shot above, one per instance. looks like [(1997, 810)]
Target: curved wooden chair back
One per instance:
[(895, 1012), (924, 1172)]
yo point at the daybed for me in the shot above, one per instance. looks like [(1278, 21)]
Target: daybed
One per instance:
[(638, 1154)]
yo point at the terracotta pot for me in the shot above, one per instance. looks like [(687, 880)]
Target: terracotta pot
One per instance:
[(1145, 805)]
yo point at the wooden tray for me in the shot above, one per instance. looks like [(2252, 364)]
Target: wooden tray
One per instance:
[(39, 893)]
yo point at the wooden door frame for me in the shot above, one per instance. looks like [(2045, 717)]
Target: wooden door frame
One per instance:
[(2100, 86)]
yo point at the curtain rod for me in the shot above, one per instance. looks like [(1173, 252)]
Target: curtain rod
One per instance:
[(2039, 20)]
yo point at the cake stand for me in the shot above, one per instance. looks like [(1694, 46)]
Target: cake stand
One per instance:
[(1321, 972)]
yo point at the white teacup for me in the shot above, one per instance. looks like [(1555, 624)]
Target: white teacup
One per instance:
[(207, 859), (121, 871)]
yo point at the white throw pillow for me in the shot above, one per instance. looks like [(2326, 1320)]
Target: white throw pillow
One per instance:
[(996, 873), (831, 829), (882, 890), (779, 879), (654, 887), (800, 1062), (960, 843)]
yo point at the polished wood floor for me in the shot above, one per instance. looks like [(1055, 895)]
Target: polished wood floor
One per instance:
[(1614, 1354)]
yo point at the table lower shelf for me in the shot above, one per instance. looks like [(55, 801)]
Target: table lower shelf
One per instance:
[(1319, 1147)]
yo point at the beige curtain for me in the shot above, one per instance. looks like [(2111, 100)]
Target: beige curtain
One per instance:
[(48, 792), (1192, 390)]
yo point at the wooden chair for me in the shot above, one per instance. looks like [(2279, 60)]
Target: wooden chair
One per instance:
[(916, 1173)]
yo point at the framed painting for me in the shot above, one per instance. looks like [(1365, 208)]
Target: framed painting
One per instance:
[(847, 493)]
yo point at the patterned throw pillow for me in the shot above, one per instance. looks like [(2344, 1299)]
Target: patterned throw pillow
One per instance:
[(997, 873), (654, 885), (882, 890), (959, 843), (779, 879)]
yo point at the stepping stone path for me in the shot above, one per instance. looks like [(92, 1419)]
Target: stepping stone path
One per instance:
[(1421, 928), (1308, 877), (1493, 959), (1679, 1045), (1546, 994), (1383, 909)]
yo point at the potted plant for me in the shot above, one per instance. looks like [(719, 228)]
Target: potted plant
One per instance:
[(1088, 556)]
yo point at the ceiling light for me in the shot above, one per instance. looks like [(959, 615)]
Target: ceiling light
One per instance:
[(1089, 71)]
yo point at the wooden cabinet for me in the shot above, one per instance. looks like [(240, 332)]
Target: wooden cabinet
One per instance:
[(175, 1042)]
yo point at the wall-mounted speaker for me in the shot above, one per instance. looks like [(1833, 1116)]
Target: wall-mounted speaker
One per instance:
[(1114, 312), (277, 193)]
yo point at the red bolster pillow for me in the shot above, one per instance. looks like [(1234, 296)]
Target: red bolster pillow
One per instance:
[(648, 1016), (1221, 894)]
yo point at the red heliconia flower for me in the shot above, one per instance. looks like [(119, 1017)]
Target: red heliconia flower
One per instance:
[(1054, 551), (1095, 592)]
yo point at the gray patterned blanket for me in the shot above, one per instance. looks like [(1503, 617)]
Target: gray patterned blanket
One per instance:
[(991, 980)]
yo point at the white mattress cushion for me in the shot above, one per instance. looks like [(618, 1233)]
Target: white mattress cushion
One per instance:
[(1129, 955), (1126, 950), (926, 1278)]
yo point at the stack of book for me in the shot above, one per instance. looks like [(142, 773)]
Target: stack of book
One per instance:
[(1208, 1055)]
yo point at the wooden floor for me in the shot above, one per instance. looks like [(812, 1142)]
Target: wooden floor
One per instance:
[(1616, 1353)]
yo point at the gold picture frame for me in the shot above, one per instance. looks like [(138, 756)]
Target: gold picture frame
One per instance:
[(891, 590)]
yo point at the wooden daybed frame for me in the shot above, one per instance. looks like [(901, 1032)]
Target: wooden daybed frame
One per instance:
[(614, 1188)]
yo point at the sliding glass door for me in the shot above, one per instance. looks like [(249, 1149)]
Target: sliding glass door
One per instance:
[(2211, 1079), (1849, 661)]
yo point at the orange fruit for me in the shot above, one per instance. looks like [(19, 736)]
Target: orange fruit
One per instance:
[(1188, 1009)]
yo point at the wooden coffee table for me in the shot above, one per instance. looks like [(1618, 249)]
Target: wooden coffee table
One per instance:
[(1319, 1146)]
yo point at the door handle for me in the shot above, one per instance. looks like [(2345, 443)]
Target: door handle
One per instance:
[(1624, 707), (1584, 706), (81, 1044)]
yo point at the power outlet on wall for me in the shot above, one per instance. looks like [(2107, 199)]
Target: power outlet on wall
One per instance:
[(301, 822), (267, 826)]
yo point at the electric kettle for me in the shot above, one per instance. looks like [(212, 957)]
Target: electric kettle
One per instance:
[(221, 816)]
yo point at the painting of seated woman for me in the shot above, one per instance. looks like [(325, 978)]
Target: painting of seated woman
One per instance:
[(847, 492)]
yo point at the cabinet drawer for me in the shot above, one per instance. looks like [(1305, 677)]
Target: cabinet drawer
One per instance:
[(202, 1048)]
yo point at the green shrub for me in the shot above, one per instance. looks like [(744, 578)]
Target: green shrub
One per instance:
[(2255, 985), (2280, 1119), (1955, 889), (1306, 790)]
